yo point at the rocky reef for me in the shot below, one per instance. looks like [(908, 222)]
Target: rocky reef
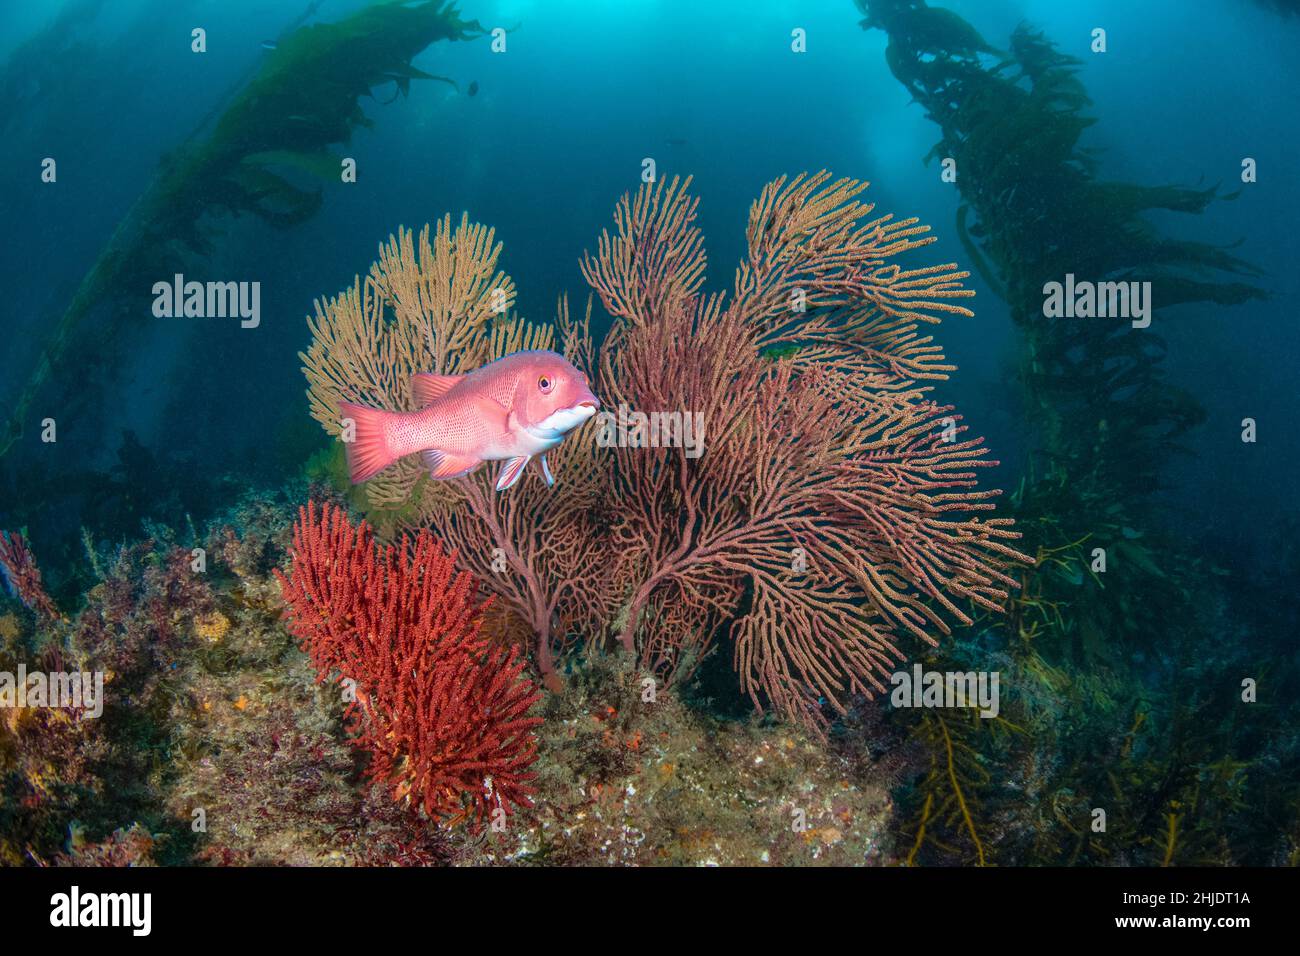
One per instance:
[(217, 746)]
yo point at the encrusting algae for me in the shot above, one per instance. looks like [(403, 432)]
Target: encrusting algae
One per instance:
[(211, 627)]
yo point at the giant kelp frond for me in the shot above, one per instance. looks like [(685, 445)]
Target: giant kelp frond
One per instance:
[(282, 120), (1107, 702), (951, 788), (304, 100)]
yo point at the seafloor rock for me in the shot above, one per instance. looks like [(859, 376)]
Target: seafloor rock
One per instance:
[(623, 780), (236, 756)]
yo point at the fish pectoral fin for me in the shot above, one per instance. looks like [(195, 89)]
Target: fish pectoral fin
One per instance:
[(491, 410), (425, 386), (546, 471), (511, 471), (443, 466)]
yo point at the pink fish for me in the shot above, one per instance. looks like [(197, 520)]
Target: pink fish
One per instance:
[(509, 410)]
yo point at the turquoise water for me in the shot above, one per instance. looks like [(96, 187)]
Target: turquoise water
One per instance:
[(558, 129), (167, 419)]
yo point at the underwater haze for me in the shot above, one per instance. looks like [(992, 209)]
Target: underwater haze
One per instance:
[(753, 607)]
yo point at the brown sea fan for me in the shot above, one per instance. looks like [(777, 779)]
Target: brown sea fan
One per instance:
[(835, 506)]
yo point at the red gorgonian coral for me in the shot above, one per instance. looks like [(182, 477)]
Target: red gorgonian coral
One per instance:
[(24, 577), (443, 713)]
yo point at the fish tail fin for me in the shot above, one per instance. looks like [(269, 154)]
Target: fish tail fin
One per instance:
[(369, 452)]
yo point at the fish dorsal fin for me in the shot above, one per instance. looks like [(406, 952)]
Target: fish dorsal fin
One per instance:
[(511, 471), (425, 386), (443, 466)]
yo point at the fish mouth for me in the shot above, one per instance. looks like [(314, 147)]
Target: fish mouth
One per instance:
[(565, 420)]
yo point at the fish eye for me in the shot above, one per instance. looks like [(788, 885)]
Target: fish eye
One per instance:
[(544, 384)]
